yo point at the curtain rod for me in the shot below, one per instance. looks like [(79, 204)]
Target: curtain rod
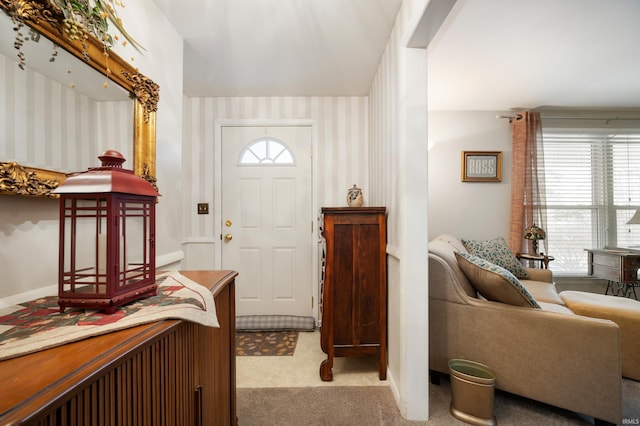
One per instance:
[(616, 118)]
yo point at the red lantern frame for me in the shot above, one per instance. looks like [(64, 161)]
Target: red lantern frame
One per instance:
[(107, 237)]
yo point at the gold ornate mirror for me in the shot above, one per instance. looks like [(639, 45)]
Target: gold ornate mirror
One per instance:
[(47, 20)]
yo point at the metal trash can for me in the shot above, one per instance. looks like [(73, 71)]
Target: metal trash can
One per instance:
[(472, 392)]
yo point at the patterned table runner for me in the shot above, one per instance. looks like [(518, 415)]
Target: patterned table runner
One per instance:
[(38, 324)]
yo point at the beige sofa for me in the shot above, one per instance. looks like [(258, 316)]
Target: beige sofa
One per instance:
[(549, 354)]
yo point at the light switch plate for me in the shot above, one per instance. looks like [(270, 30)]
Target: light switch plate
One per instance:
[(203, 208)]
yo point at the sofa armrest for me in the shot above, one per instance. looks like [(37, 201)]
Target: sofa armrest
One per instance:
[(537, 274)]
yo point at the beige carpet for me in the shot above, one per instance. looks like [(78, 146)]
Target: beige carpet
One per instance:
[(287, 390), (302, 369), (376, 406), (351, 405)]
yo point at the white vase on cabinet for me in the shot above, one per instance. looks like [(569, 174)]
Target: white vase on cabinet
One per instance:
[(355, 197)]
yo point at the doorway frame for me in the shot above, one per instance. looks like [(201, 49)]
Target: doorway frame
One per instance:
[(314, 213)]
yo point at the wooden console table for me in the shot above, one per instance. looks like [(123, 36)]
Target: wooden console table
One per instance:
[(170, 372), (619, 267)]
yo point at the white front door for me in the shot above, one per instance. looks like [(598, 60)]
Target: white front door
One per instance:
[(267, 217)]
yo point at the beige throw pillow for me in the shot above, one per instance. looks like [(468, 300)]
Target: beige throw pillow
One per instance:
[(494, 282)]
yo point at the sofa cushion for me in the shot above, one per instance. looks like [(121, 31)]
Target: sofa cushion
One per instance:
[(554, 307), (495, 282), (623, 311), (498, 252), (543, 291)]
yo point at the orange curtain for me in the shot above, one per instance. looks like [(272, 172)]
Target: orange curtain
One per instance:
[(527, 175)]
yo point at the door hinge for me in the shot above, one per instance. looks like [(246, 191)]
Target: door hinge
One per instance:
[(312, 227), (312, 302)]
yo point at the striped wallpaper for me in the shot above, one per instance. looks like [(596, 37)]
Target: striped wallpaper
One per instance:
[(49, 125), (384, 129), (383, 142), (342, 145)]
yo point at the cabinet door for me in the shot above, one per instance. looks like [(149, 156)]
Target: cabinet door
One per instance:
[(356, 301)]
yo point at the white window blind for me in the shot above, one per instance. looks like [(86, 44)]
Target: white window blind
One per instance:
[(592, 179)]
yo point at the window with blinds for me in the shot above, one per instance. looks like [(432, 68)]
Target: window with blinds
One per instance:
[(592, 179)]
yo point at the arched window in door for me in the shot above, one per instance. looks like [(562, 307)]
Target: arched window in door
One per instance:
[(266, 152)]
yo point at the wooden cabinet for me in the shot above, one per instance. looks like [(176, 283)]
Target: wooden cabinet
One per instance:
[(354, 290), (170, 372)]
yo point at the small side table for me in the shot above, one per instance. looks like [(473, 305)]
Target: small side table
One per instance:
[(542, 258)]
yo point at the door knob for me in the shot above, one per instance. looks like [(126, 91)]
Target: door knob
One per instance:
[(228, 237)]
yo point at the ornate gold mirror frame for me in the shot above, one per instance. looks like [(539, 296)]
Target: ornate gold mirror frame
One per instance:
[(47, 19)]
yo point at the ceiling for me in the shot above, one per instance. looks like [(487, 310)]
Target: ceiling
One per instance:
[(281, 47), (488, 55), (505, 54)]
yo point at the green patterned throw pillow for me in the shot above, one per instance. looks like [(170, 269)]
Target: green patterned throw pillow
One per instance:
[(498, 252), (494, 282)]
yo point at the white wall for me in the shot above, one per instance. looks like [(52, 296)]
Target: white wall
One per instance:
[(475, 210), (29, 227), (399, 180), (162, 62)]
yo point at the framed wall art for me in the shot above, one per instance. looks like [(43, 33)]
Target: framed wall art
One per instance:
[(481, 166)]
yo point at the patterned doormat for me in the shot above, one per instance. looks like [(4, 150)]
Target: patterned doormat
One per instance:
[(266, 343)]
